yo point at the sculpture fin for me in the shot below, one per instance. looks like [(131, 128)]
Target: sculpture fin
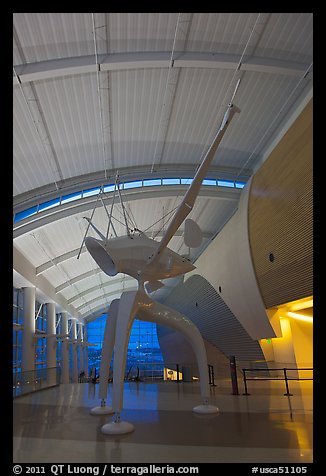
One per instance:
[(152, 286), (193, 235)]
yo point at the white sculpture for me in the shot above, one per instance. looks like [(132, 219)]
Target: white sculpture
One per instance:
[(148, 262)]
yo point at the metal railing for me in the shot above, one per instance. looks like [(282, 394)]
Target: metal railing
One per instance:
[(145, 372), (34, 380), (156, 371), (285, 377)]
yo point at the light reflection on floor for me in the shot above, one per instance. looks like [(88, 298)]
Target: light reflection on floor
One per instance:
[(55, 425)]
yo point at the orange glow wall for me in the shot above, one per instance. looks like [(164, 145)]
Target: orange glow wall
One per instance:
[(294, 346)]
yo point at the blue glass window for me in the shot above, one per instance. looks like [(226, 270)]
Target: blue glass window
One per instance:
[(225, 183), (240, 184), (71, 197), (152, 182), (171, 181), (91, 191), (25, 213), (49, 204), (134, 184), (108, 188), (126, 185), (144, 352), (209, 182)]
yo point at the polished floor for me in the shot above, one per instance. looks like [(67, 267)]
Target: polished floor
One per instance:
[(55, 425)]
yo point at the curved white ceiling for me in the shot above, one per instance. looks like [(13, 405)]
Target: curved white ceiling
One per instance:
[(141, 94)]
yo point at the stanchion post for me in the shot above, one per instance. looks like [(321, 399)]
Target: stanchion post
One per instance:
[(234, 378), (178, 380), (213, 379), (209, 375), (245, 382), (286, 384)]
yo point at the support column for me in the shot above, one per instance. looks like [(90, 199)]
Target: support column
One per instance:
[(64, 349), (81, 348), (28, 341), (51, 344), (74, 351), (85, 352)]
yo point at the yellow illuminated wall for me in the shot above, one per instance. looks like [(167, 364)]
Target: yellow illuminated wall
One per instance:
[(302, 337), (283, 346), (294, 344)]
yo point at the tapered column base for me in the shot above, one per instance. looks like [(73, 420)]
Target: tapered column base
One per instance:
[(205, 409), (101, 410), (117, 428)]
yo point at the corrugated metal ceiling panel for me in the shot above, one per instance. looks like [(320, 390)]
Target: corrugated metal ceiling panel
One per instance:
[(287, 36), (137, 98), (45, 36), (141, 31), (211, 215), (72, 115), (56, 275), (261, 99), (220, 32), (97, 283), (73, 268), (31, 166), (102, 304), (29, 247), (197, 112)]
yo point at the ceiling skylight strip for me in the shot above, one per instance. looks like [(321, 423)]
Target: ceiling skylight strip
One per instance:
[(167, 181)]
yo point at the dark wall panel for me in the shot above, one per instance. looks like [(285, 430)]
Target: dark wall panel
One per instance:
[(281, 216)]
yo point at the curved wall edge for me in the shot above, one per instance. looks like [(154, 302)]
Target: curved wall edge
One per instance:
[(227, 265)]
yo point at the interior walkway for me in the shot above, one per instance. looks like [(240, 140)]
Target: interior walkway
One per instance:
[(55, 426)]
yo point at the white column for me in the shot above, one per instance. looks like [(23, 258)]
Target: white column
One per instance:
[(64, 349), (81, 348), (85, 352), (74, 351), (28, 342), (51, 344)]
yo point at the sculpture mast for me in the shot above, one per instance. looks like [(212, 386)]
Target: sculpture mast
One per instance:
[(189, 199)]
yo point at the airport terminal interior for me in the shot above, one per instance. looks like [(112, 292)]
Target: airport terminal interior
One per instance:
[(162, 238)]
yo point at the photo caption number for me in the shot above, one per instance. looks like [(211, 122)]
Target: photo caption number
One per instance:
[(35, 470), (292, 469)]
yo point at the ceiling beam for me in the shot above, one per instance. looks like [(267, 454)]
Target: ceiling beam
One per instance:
[(112, 294), (146, 60), (25, 275), (110, 282), (75, 280), (97, 312)]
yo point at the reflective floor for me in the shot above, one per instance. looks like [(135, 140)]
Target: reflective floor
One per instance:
[(55, 426)]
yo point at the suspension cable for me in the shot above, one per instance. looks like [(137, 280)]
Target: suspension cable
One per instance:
[(36, 128), (166, 86), (99, 95), (226, 94)]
